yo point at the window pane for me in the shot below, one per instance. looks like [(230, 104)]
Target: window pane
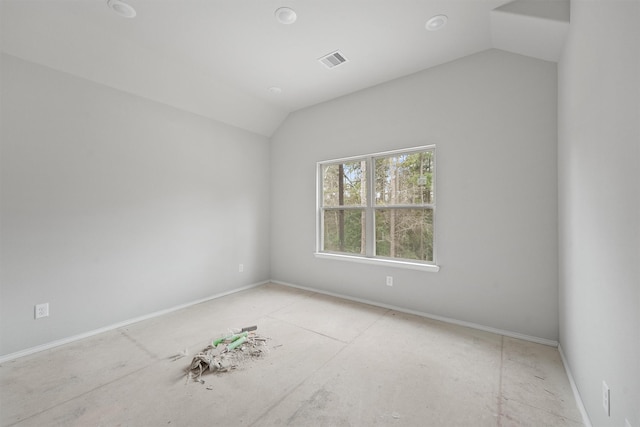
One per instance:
[(344, 184), (344, 230), (405, 233), (404, 179)]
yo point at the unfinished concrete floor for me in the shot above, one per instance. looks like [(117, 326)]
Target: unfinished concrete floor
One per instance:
[(331, 362)]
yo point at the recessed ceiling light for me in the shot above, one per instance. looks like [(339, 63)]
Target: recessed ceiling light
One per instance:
[(436, 22), (275, 90), (122, 8), (286, 15)]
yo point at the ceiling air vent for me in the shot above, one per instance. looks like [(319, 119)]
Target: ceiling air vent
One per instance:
[(333, 59)]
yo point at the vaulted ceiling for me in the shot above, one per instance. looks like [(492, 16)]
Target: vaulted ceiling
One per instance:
[(220, 58)]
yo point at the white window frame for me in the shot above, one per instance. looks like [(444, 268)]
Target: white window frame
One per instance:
[(370, 208)]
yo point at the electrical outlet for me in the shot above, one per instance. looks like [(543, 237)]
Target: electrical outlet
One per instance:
[(42, 310), (606, 396), (389, 280), (240, 268)]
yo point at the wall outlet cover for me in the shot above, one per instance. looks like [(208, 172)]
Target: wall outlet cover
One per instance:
[(42, 310)]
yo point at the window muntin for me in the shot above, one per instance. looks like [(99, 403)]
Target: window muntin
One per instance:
[(379, 206)]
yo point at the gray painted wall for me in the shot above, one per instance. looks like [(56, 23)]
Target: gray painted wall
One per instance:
[(599, 209), (493, 118), (114, 206)]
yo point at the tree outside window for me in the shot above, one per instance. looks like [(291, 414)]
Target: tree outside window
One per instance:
[(380, 205)]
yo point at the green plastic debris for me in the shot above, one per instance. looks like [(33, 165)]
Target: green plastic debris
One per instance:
[(238, 342), (230, 338)]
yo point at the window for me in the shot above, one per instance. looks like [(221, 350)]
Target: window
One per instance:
[(379, 207)]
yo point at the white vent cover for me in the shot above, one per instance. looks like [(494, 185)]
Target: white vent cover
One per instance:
[(333, 59)]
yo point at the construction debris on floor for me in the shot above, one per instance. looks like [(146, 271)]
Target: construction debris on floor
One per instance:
[(227, 352)]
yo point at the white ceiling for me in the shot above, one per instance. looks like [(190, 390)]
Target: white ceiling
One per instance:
[(218, 58)]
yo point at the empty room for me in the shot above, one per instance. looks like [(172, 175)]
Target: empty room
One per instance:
[(320, 213)]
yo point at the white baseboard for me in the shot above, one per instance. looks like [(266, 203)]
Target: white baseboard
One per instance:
[(511, 334), (73, 338), (576, 394)]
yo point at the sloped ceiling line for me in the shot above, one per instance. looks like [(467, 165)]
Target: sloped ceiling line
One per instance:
[(219, 58)]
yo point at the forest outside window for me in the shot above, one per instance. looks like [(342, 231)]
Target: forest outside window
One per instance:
[(379, 206)]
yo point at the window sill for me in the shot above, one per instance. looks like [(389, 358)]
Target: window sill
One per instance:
[(380, 261)]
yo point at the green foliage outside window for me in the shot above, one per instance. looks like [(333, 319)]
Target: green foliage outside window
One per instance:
[(351, 239), (401, 207)]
